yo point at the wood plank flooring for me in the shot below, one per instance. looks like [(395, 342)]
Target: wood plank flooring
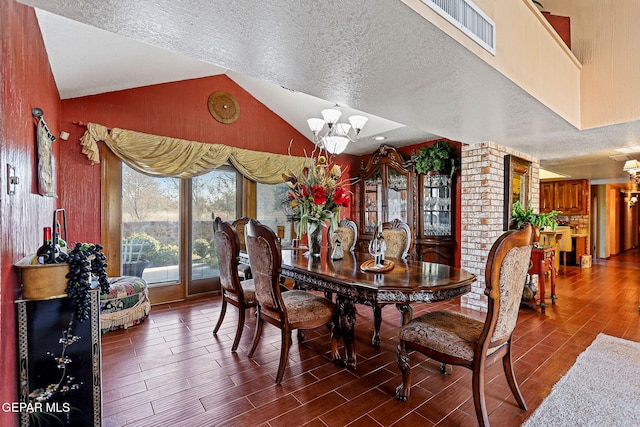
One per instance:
[(171, 370)]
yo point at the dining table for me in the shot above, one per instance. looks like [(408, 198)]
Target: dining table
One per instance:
[(354, 280)]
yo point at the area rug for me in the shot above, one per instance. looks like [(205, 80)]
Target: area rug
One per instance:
[(601, 389)]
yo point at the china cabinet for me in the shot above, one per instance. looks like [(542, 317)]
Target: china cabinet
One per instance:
[(388, 188), (435, 240), (385, 186)]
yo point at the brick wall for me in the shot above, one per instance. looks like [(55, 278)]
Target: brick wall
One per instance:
[(482, 209)]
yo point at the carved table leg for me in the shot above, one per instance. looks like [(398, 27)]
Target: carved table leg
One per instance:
[(406, 311), (347, 323), (377, 322)]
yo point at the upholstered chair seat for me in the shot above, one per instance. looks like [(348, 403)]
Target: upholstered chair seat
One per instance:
[(303, 307), (248, 291), (445, 331)]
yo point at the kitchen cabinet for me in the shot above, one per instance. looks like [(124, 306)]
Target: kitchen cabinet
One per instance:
[(388, 188), (568, 196)]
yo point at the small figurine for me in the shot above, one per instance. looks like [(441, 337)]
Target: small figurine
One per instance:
[(338, 252)]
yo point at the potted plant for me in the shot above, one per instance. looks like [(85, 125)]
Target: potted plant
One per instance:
[(521, 216), (438, 157)]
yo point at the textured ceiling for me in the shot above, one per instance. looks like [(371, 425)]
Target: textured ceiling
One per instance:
[(375, 56)]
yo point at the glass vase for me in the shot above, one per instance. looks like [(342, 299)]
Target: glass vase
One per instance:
[(314, 239)]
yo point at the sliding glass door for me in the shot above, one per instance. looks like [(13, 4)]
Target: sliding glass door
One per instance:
[(213, 194), (166, 229)]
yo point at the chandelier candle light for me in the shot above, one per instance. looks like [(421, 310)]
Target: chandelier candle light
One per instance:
[(632, 167), (337, 135)]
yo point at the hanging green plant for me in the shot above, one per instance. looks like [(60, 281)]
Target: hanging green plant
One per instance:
[(439, 157)]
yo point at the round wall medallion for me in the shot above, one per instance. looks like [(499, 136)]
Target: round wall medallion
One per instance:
[(223, 107)]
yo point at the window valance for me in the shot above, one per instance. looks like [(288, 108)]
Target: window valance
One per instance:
[(179, 158)]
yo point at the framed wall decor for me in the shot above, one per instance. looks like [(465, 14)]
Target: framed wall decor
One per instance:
[(517, 185), (46, 170)]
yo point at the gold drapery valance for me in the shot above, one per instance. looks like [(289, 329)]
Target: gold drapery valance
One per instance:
[(179, 158)]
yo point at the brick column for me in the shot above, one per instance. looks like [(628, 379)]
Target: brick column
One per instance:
[(482, 209)]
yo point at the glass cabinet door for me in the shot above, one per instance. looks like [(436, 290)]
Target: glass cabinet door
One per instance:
[(397, 186), (372, 200), (436, 205)]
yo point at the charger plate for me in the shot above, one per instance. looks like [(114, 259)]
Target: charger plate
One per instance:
[(369, 266)]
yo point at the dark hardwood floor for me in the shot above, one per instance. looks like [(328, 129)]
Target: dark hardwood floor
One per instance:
[(171, 370)]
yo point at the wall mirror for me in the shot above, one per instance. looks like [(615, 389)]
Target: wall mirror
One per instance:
[(517, 183)]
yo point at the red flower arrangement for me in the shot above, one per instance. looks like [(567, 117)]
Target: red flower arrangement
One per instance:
[(317, 196)]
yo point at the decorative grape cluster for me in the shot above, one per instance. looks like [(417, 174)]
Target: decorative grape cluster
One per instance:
[(99, 268), (83, 260)]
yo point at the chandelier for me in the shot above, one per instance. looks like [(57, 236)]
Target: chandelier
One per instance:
[(333, 136), (632, 167)]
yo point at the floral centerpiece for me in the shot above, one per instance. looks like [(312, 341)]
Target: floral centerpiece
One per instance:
[(316, 197)]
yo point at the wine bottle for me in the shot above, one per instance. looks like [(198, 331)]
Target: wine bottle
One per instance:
[(46, 252), (59, 247)]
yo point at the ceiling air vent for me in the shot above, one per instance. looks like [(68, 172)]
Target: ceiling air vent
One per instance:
[(465, 15)]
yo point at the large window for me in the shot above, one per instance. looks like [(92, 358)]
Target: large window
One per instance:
[(166, 224), (163, 216), (150, 229), (269, 209), (213, 194)]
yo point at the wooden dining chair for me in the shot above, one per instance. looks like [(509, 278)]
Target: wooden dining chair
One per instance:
[(238, 225), (454, 339), (348, 233), (398, 238), (240, 294), (289, 310)]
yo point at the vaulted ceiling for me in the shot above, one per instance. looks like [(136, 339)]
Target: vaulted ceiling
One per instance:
[(378, 57)]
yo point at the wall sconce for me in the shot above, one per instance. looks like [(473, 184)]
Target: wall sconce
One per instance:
[(12, 180), (632, 167), (632, 201)]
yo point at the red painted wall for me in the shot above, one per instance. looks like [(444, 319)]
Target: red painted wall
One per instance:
[(177, 109), (27, 82)]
